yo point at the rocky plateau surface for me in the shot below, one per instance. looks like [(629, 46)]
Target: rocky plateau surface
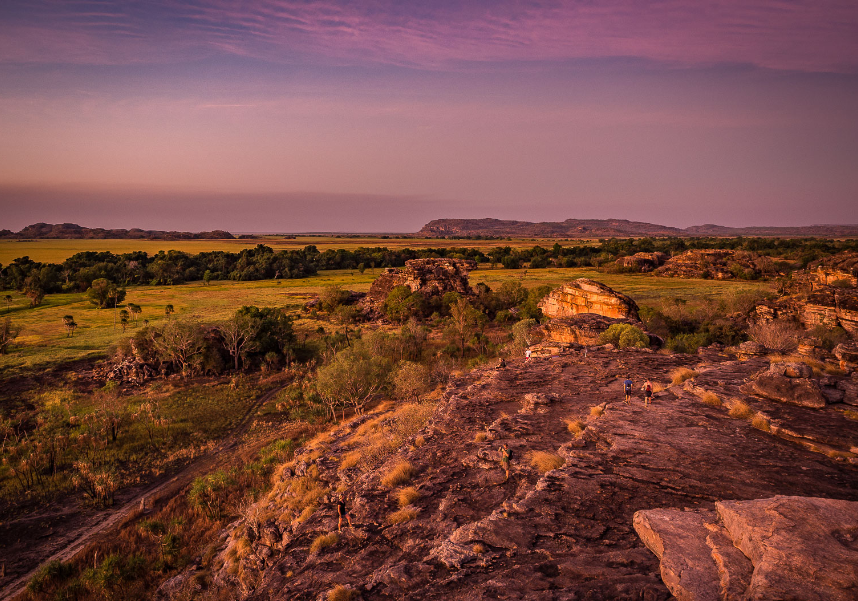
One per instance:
[(568, 532)]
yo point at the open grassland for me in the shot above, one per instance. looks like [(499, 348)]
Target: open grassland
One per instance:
[(57, 251), (43, 340)]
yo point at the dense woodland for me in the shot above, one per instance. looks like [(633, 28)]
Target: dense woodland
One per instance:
[(77, 273)]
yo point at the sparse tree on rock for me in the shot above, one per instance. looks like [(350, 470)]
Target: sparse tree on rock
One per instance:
[(8, 333), (69, 323)]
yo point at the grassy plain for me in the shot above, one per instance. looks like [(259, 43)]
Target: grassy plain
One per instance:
[(43, 341), (57, 251)]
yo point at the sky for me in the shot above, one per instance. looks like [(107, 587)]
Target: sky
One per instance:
[(380, 115)]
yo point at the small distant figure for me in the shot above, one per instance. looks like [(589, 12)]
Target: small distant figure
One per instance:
[(647, 390), (342, 512), (502, 364), (627, 387), (585, 352), (527, 354), (505, 458)]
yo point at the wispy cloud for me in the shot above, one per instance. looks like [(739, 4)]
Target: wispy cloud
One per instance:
[(803, 35)]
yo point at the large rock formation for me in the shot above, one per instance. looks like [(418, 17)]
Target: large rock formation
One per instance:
[(831, 306), (841, 269), (786, 547), (789, 383), (588, 296), (585, 328), (643, 262), (430, 277), (564, 533), (715, 264)]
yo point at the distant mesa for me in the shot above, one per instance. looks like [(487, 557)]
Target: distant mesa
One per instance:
[(615, 228), (74, 231)]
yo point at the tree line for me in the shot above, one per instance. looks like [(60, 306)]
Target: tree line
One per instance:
[(78, 272)]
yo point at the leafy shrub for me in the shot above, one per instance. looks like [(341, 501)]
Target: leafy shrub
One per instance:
[(686, 343), (624, 335)]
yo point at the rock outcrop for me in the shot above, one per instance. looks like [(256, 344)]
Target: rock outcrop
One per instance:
[(558, 531), (430, 277), (715, 264), (585, 328), (786, 547), (789, 383), (587, 296), (841, 269), (831, 307), (643, 262)]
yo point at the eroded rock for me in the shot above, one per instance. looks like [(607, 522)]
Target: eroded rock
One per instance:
[(795, 391), (588, 296)]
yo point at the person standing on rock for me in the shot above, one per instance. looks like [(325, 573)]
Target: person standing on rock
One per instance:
[(627, 388), (527, 355), (342, 512), (647, 390), (505, 458)]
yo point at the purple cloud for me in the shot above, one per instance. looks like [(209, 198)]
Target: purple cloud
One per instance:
[(800, 35)]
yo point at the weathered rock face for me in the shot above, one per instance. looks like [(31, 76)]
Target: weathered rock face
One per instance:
[(547, 536), (841, 268), (784, 547), (847, 354), (831, 307), (588, 296), (644, 262), (789, 383), (715, 264), (430, 277), (581, 329)]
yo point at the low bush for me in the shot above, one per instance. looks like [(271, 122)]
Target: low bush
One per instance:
[(741, 410), (323, 541), (406, 496), (681, 374), (399, 474), (406, 514), (623, 335), (543, 461)]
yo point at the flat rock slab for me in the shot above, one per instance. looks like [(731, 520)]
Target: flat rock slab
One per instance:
[(796, 391), (801, 547), (785, 547)]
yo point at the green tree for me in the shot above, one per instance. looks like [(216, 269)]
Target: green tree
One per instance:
[(123, 318), (69, 323), (34, 290), (178, 342), (239, 335), (464, 322), (135, 311), (207, 277), (8, 300), (411, 380), (104, 293), (624, 335), (168, 310), (401, 303), (353, 376)]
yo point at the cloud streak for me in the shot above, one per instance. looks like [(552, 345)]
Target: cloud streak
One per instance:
[(803, 35)]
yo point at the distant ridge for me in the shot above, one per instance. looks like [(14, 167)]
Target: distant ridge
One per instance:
[(74, 231), (607, 228)]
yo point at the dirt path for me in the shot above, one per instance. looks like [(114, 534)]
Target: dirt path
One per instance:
[(64, 546)]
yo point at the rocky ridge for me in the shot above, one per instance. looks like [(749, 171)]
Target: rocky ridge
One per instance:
[(564, 533), (430, 277)]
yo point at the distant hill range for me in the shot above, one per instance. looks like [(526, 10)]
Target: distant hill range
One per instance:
[(607, 228), (72, 230)]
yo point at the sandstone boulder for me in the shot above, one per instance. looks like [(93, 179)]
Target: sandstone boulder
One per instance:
[(587, 296), (715, 264), (841, 268), (430, 277), (749, 349), (847, 354), (581, 329), (831, 307), (801, 547), (795, 391), (790, 369), (644, 262), (790, 548)]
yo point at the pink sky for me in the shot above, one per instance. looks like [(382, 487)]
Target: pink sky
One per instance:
[(377, 116)]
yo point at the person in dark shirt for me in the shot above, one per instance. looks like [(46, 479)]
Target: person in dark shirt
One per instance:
[(627, 387), (342, 512)]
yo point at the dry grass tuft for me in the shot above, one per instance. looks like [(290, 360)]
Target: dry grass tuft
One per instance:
[(850, 414), (761, 423), (834, 370), (596, 411), (479, 548), (545, 462), (399, 474), (575, 426), (406, 514), (480, 437), (350, 460), (406, 496), (741, 410), (681, 374), (323, 541), (341, 593), (419, 441), (712, 399)]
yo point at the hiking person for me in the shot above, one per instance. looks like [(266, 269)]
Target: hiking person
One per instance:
[(527, 355), (647, 390), (627, 387), (342, 512), (505, 458), (502, 364)]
